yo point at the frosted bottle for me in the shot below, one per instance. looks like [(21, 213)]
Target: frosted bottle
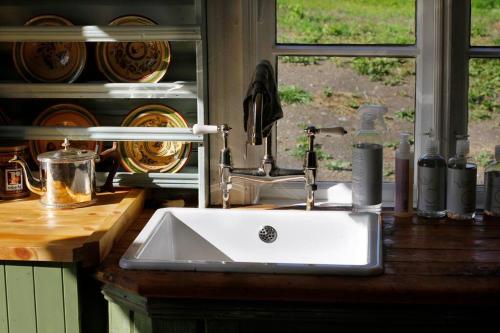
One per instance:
[(367, 160)]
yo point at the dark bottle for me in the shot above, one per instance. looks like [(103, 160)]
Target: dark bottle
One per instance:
[(492, 186), (431, 187)]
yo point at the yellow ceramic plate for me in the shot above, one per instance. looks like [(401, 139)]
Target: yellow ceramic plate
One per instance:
[(63, 115), (148, 156), (49, 62), (133, 61)]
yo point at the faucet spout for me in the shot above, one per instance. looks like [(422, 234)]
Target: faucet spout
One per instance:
[(254, 120), (33, 184)]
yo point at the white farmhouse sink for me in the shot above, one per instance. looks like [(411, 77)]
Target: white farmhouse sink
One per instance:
[(264, 241)]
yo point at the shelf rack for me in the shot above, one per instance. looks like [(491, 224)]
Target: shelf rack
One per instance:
[(93, 33), (189, 177), (178, 89)]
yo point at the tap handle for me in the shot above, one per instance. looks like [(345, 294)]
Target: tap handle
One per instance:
[(210, 129), (313, 130), (205, 129), (332, 130)]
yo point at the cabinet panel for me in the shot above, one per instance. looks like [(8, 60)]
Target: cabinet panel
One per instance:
[(49, 299), (20, 298)]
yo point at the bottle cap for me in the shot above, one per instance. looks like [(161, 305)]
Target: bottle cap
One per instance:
[(371, 112), (431, 146), (463, 147), (497, 152)]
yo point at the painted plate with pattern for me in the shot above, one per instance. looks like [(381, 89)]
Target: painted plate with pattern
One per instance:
[(149, 156), (63, 115), (49, 62), (133, 61)]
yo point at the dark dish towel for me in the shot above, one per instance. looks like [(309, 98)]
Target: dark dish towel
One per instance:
[(263, 82)]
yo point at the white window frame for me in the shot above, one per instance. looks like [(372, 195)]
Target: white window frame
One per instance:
[(441, 53)]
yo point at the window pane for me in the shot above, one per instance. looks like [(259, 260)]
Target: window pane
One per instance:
[(485, 22), (484, 111), (345, 21), (327, 92)]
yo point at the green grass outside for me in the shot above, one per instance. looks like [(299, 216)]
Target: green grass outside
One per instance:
[(485, 22), (346, 21), (383, 22), (386, 21)]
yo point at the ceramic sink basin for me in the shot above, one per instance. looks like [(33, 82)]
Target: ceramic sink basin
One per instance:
[(264, 241)]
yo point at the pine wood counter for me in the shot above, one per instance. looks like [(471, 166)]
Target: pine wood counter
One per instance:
[(426, 262), (31, 232)]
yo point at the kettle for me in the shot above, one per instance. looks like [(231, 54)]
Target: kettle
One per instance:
[(67, 177)]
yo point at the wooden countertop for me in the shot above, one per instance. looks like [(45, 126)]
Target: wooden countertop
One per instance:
[(31, 232), (426, 262)]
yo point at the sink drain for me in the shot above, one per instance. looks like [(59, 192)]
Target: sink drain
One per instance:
[(268, 234)]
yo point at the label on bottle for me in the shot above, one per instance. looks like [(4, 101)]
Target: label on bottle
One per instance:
[(492, 184), (13, 180), (367, 163), (431, 189), (461, 193)]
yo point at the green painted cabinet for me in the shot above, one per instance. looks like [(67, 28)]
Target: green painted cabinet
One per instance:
[(40, 297), (131, 313)]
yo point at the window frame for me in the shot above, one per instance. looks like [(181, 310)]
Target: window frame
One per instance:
[(442, 43), (428, 25)]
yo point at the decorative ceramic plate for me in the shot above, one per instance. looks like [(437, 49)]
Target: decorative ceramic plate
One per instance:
[(133, 61), (63, 115), (49, 62), (4, 120), (148, 156)]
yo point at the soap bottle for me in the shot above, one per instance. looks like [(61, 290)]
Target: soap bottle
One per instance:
[(492, 186), (403, 201), (431, 182), (367, 160), (461, 180)]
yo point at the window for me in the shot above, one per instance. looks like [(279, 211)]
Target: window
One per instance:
[(327, 90), (423, 52), (412, 56), (484, 82)]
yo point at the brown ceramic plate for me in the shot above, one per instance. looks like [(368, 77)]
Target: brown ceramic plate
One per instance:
[(161, 156), (63, 115), (49, 62), (133, 61), (4, 120)]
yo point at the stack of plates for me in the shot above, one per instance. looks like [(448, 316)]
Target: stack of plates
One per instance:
[(161, 156), (49, 62), (63, 115), (133, 61)]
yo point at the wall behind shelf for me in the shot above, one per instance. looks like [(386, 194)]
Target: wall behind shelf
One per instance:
[(99, 12)]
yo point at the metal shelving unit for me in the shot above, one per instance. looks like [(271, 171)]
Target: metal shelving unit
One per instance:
[(190, 177)]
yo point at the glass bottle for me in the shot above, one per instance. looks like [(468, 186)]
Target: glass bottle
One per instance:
[(461, 180), (492, 186), (367, 161), (431, 186)]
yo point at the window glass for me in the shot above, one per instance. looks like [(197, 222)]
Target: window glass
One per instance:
[(485, 22), (484, 111), (345, 21), (327, 91)]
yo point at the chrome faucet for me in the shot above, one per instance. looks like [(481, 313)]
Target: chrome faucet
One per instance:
[(268, 172)]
